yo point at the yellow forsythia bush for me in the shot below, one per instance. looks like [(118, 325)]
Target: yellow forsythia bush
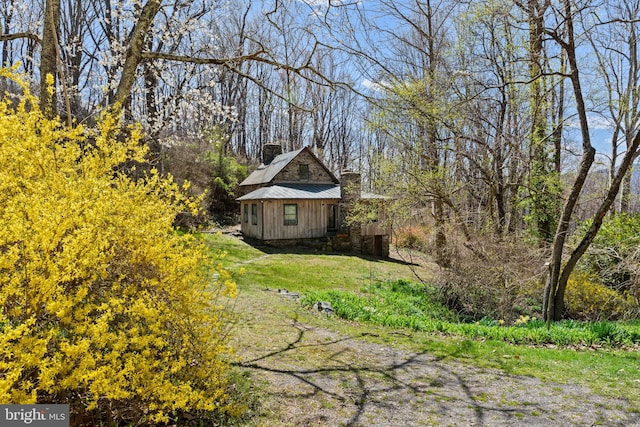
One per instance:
[(102, 304), (586, 299)]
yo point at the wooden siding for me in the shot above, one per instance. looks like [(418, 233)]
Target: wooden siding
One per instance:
[(375, 229), (312, 220), (248, 228)]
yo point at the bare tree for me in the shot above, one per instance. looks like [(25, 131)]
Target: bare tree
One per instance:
[(614, 42), (131, 40), (411, 74), (560, 269)]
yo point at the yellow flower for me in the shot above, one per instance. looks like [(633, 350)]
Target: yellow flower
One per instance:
[(100, 297), (49, 79)]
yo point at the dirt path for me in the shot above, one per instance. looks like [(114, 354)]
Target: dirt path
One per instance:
[(313, 376)]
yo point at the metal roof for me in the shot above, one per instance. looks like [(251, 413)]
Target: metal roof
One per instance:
[(265, 173), (302, 191), (294, 191)]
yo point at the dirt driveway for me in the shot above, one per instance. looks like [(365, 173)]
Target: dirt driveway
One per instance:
[(313, 376)]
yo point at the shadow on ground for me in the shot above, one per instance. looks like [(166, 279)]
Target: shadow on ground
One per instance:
[(305, 249), (317, 378)]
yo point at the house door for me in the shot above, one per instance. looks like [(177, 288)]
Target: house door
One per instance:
[(332, 217), (377, 246)]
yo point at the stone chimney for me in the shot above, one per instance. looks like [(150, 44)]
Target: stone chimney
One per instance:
[(269, 152), (350, 186), (350, 190)]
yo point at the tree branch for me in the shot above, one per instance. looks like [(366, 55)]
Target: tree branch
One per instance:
[(16, 36), (255, 56)]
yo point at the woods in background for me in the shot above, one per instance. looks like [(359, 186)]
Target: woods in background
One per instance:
[(476, 118)]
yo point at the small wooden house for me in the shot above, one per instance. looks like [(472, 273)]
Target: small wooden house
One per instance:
[(293, 198)]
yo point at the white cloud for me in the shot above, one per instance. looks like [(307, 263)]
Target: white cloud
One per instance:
[(371, 85), (375, 86), (324, 2)]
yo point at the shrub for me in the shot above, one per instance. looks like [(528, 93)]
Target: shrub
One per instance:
[(203, 163), (102, 304), (613, 258), (494, 279), (586, 299), (411, 238)]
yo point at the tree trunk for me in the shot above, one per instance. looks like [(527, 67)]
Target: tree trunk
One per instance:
[(150, 87), (430, 149), (135, 49), (549, 308), (553, 288), (7, 59), (625, 197), (614, 162), (558, 110), (558, 275), (49, 57), (542, 207), (627, 161)]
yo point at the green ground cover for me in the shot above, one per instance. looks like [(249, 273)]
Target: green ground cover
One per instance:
[(603, 356)]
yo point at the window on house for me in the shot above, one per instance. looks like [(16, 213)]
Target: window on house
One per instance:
[(246, 213), (303, 171), (290, 214), (254, 214)]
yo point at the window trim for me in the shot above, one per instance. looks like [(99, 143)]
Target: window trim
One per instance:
[(290, 221), (254, 214), (303, 171), (246, 213)]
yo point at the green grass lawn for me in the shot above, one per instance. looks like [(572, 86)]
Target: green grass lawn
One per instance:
[(305, 270), (611, 372)]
